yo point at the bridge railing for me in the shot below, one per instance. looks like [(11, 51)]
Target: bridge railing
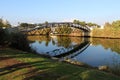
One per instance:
[(81, 27), (84, 28)]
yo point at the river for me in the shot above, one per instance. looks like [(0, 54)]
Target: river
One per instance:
[(92, 51)]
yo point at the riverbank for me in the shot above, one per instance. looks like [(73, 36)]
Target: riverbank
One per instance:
[(19, 65), (107, 32)]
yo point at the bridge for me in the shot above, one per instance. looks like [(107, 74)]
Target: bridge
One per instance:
[(85, 29)]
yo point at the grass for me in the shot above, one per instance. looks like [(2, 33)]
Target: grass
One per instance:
[(18, 65)]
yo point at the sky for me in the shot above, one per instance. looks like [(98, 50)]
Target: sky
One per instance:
[(39, 11)]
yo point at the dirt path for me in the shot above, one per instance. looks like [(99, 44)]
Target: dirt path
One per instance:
[(12, 69)]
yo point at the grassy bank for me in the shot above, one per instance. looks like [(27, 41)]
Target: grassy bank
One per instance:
[(18, 65), (107, 32)]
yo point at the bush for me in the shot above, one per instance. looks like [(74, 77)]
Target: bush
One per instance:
[(19, 41), (3, 37)]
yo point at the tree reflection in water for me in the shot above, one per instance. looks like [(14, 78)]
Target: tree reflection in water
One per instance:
[(113, 44)]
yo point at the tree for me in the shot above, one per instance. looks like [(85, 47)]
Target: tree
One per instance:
[(4, 23), (4, 37), (32, 25), (24, 24), (107, 24), (82, 23), (90, 24), (1, 24), (46, 22), (19, 41), (116, 24), (7, 24), (76, 21)]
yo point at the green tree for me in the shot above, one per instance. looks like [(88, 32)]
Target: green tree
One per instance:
[(116, 24), (93, 24), (19, 41), (32, 25), (46, 22), (3, 37), (24, 25), (76, 21), (1, 24), (107, 24), (7, 24), (4, 23), (90, 24), (82, 23)]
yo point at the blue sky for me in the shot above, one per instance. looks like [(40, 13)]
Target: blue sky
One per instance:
[(37, 11)]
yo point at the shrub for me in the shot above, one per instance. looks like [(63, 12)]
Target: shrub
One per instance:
[(3, 37), (19, 41)]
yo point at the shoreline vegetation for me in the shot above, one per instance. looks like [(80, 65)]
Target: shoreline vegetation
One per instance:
[(19, 65), (29, 66)]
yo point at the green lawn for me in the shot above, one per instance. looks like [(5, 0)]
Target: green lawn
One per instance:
[(18, 65)]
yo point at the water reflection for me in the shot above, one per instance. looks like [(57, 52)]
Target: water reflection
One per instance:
[(76, 50), (113, 44), (92, 51), (44, 44), (101, 52)]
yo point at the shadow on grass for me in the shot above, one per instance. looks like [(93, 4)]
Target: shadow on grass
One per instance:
[(30, 69), (38, 68), (19, 66)]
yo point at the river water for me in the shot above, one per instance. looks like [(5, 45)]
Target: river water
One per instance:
[(92, 51)]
